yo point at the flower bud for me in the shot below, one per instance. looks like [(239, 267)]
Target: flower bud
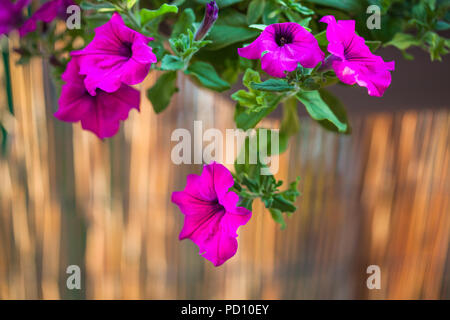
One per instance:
[(211, 14)]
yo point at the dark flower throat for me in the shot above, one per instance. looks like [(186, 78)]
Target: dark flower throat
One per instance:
[(283, 36), (125, 49)]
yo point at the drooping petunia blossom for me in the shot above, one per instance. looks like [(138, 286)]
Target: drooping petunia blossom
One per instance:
[(46, 13), (352, 60), (101, 113), (212, 216), (116, 55), (281, 46), (11, 16)]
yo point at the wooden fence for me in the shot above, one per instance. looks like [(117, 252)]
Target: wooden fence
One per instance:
[(377, 197)]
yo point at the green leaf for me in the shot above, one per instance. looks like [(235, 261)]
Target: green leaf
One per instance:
[(373, 45), (99, 7), (96, 20), (338, 109), (290, 124), (185, 22), (277, 216), (272, 85), (301, 9), (244, 98), (171, 63), (403, 41), (305, 22), (258, 26), (442, 25), (319, 110), (246, 120), (322, 38), (147, 14), (246, 203), (250, 76), (255, 11), (283, 204), (271, 13), (208, 77), (162, 91), (224, 35), (345, 5), (292, 193), (131, 3), (436, 45)]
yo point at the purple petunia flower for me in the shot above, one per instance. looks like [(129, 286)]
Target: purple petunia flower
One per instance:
[(101, 113), (211, 15), (211, 213), (352, 60), (11, 15), (281, 46), (46, 13), (116, 55)]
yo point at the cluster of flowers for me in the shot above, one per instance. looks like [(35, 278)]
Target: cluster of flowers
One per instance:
[(98, 92), (98, 78), (282, 46), (11, 16)]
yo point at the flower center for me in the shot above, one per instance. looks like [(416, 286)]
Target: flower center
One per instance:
[(125, 49), (283, 36)]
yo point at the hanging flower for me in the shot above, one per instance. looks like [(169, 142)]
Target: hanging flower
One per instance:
[(46, 13), (281, 47), (352, 60), (116, 55), (211, 213), (11, 15), (211, 14), (100, 113)]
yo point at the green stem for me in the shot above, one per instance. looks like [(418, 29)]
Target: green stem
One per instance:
[(5, 56), (133, 19)]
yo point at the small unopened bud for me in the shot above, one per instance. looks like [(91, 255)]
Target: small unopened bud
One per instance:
[(211, 14)]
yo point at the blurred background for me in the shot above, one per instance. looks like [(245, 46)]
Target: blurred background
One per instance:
[(379, 196)]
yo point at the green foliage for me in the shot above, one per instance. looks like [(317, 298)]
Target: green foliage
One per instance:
[(338, 109), (272, 85), (255, 10), (290, 124), (147, 15), (319, 110), (170, 62), (161, 93), (185, 22), (345, 5), (207, 76), (253, 105), (251, 183)]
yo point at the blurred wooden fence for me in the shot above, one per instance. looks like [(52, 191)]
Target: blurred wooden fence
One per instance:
[(379, 196)]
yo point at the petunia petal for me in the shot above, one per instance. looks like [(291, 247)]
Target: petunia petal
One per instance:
[(352, 60), (211, 215), (298, 46), (101, 113), (117, 55)]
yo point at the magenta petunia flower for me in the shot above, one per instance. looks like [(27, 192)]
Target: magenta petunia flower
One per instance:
[(352, 60), (281, 46), (211, 213), (11, 16), (116, 55), (101, 113), (46, 13)]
